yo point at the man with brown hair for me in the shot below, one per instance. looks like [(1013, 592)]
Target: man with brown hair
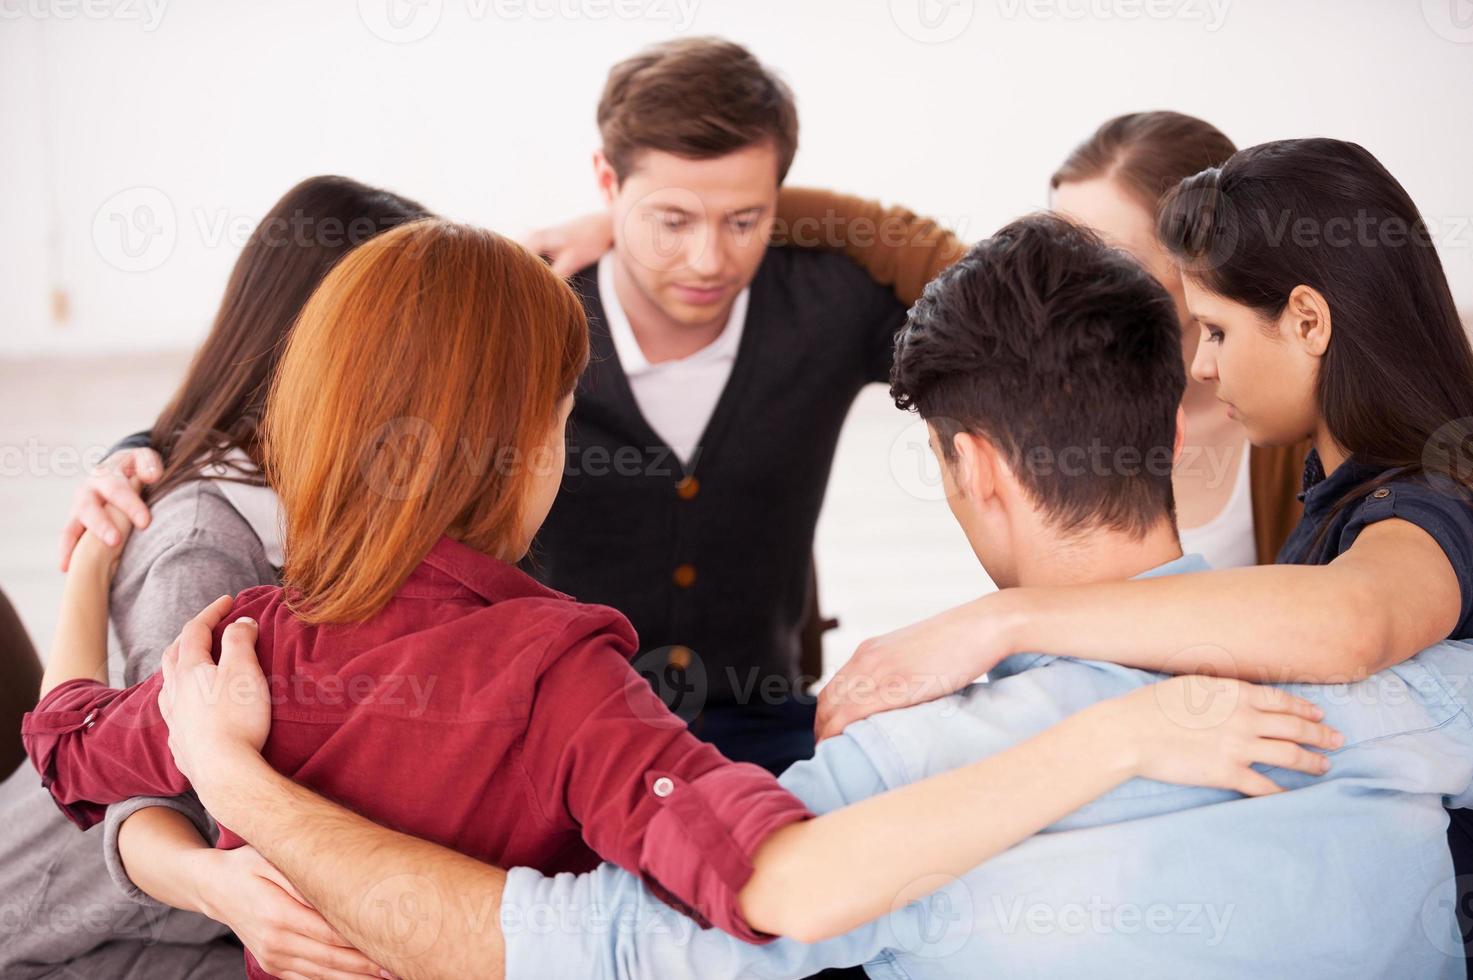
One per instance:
[(722, 371)]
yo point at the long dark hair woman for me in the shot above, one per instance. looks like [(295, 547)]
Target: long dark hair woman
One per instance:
[(1324, 314), (213, 531)]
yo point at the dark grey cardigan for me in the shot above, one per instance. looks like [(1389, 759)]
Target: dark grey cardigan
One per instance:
[(719, 565)]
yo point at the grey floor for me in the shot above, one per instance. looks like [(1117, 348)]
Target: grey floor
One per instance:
[(888, 550)]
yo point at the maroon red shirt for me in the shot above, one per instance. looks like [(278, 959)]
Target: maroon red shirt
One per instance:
[(479, 710)]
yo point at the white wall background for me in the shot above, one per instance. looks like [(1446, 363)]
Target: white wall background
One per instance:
[(215, 107), (188, 118)]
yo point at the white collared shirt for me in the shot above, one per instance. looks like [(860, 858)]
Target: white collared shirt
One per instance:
[(677, 398)]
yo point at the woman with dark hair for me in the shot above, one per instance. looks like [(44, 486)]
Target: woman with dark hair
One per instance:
[(1324, 314), (213, 531)]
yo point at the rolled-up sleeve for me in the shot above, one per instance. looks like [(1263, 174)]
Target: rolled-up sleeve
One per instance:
[(697, 850), (648, 795), (608, 925), (95, 745)]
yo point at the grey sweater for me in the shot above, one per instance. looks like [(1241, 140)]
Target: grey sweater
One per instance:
[(62, 913)]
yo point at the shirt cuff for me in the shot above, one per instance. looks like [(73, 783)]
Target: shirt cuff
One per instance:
[(69, 707), (697, 852), (118, 813)]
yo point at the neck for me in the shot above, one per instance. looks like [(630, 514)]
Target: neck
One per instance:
[(661, 337), (1097, 556), (1332, 454)]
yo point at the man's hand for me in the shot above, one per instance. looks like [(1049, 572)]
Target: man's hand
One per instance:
[(115, 481), (214, 711)]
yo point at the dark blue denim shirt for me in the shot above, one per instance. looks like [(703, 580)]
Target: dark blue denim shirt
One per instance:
[(1441, 508)]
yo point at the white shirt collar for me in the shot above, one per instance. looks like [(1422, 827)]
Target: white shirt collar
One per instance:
[(258, 505), (626, 345)]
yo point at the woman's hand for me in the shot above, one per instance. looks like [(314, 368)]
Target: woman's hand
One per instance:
[(285, 934), (915, 664), (116, 482), (101, 550), (573, 245), (1197, 730)]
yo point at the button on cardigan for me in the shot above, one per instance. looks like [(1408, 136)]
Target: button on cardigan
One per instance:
[(714, 555)]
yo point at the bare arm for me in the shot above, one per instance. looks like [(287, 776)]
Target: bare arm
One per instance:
[(159, 847), (420, 910), (164, 855), (1390, 595), (79, 648), (808, 885)]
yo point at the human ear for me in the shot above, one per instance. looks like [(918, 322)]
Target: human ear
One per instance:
[(1307, 320), (606, 177), (975, 467)]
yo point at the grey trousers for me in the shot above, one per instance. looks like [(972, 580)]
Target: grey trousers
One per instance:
[(123, 960), (62, 916)]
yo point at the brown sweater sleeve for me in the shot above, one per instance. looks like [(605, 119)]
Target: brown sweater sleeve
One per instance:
[(1276, 474), (895, 246)]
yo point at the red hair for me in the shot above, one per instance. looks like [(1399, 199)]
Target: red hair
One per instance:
[(417, 386)]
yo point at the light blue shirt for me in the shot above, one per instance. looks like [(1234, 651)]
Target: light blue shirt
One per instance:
[(1349, 875)]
